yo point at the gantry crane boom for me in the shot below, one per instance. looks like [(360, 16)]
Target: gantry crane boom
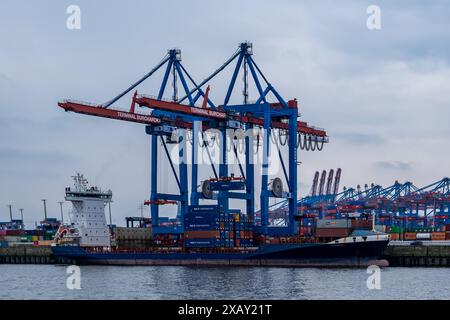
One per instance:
[(207, 114)]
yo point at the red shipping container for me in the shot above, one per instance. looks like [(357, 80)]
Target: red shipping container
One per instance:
[(201, 234), (14, 232), (362, 223), (409, 236), (395, 236), (332, 232)]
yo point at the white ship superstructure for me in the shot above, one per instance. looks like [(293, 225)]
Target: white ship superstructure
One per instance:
[(88, 213)]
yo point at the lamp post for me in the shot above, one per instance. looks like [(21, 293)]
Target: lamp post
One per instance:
[(45, 208), (10, 212)]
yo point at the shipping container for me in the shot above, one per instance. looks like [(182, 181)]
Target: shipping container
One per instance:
[(13, 232), (361, 224), (226, 185), (409, 236), (201, 226), (202, 234), (438, 236), (207, 216), (44, 243), (205, 208), (396, 229), (395, 236), (13, 238), (122, 233), (334, 223), (201, 243), (19, 244), (423, 236), (332, 232)]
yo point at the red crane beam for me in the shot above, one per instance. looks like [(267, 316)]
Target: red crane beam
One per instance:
[(152, 103), (144, 101), (98, 111)]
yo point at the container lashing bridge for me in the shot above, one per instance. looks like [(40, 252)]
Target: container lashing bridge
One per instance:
[(163, 117)]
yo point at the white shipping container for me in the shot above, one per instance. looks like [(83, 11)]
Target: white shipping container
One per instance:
[(13, 238), (334, 223), (423, 236)]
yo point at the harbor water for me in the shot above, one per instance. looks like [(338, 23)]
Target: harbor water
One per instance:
[(113, 282)]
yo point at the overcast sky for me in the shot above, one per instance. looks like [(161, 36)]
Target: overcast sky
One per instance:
[(382, 95)]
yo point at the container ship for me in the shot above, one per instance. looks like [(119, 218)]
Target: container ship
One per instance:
[(210, 236)]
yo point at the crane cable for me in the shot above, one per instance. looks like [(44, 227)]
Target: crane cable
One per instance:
[(312, 144), (285, 138)]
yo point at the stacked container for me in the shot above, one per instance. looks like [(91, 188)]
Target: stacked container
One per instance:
[(202, 226), (243, 230), (333, 228), (133, 238), (168, 239), (209, 227)]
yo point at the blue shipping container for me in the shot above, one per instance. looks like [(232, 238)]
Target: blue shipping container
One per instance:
[(206, 208), (200, 227), (202, 243), (205, 217), (226, 185)]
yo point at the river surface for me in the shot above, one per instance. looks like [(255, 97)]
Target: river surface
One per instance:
[(104, 282)]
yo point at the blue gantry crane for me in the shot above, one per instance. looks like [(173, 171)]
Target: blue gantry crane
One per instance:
[(177, 120), (400, 204)]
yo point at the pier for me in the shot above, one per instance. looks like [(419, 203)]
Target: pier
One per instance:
[(425, 254), (26, 255), (398, 253)]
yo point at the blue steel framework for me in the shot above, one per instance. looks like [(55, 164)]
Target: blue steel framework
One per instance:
[(261, 108), (176, 70), (168, 116)]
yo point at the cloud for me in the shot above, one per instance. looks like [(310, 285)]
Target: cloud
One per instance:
[(14, 155), (358, 138), (394, 165)]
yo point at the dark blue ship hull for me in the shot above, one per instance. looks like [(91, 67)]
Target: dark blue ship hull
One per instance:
[(355, 254)]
